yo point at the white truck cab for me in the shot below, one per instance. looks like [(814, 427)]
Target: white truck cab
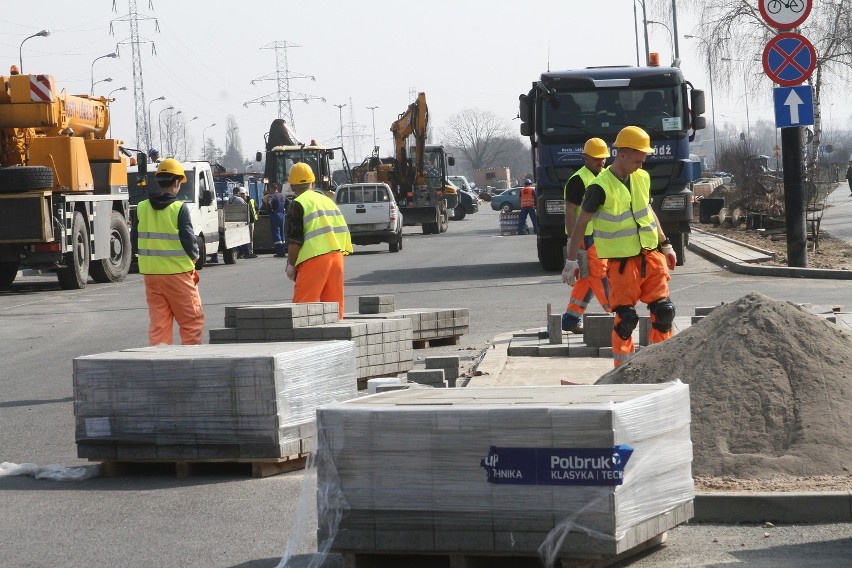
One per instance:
[(371, 213)]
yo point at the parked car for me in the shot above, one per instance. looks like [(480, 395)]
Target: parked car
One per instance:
[(371, 213), (507, 201)]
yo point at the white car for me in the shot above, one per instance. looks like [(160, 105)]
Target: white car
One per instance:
[(371, 213)]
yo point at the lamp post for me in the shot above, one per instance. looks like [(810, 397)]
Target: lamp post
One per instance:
[(645, 29), (159, 125), (340, 108), (185, 154), (745, 94), (373, 108), (115, 90), (111, 55), (42, 33), (712, 103), (203, 139), (107, 80), (671, 36), (149, 117)]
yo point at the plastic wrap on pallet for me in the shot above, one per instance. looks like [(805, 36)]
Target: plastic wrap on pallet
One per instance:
[(263, 394), (535, 470)]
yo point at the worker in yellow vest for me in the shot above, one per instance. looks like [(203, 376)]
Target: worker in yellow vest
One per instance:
[(164, 240), (317, 240), (628, 234), (595, 153)]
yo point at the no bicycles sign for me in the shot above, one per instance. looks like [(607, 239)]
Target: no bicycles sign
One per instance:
[(785, 14)]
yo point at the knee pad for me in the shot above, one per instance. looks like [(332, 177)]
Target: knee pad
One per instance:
[(663, 311), (629, 321)]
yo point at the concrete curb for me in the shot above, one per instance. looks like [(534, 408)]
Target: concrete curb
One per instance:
[(737, 267), (731, 507)]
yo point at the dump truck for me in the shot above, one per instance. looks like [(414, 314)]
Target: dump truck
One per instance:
[(63, 185), (563, 109)]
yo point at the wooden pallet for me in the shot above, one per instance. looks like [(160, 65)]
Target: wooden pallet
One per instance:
[(372, 560), (187, 468), (436, 342)]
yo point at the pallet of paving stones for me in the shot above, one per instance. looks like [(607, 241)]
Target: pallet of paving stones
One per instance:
[(428, 325), (382, 347)]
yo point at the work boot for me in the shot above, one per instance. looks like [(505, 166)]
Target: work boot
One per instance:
[(214, 259), (577, 329)]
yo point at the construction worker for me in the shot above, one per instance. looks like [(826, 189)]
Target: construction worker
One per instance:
[(153, 154), (627, 233), (317, 240), (277, 207), (527, 208), (163, 237), (248, 251), (595, 153)]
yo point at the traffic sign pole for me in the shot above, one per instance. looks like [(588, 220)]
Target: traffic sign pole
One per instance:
[(794, 202)]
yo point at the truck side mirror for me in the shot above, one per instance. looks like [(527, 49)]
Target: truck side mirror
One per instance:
[(141, 169), (331, 154), (451, 161), (699, 123), (525, 129), (524, 108), (206, 198), (258, 157), (697, 98)]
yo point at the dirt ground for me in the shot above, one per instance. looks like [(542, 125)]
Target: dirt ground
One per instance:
[(831, 252), (780, 484)]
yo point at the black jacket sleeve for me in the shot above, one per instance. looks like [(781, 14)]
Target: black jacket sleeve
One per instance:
[(295, 226), (187, 233)]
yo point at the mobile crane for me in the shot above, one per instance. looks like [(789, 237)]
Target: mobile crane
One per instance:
[(419, 183), (63, 185)]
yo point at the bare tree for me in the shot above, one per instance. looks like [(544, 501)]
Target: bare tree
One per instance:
[(233, 158), (479, 136), (732, 27)]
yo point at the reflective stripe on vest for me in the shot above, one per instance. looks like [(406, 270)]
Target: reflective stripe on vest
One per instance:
[(527, 196), (624, 225), (588, 177), (253, 209), (324, 226), (160, 249)]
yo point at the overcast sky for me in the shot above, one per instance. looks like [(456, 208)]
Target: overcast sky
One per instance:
[(462, 54)]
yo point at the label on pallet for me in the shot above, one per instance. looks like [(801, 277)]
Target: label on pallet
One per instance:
[(557, 466)]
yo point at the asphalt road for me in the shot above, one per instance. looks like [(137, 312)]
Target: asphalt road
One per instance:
[(227, 519)]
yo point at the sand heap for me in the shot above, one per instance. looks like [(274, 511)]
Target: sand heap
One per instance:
[(770, 386)]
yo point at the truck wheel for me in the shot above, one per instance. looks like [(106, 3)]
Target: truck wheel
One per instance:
[(17, 179), (679, 244), (75, 274), (114, 268), (230, 256), (550, 254), (202, 251), (8, 272), (395, 244)]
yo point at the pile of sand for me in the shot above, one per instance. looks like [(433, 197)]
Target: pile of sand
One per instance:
[(770, 389)]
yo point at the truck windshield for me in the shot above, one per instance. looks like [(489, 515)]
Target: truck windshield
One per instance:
[(433, 168), (283, 161), (139, 193), (579, 115)]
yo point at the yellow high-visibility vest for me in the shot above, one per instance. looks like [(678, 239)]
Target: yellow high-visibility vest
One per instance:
[(625, 224), (160, 249), (324, 226), (587, 176)]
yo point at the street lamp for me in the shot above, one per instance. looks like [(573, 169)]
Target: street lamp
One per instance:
[(185, 154), (149, 118), (671, 36), (645, 29), (712, 103), (115, 90), (340, 108), (160, 127), (42, 33), (373, 108), (112, 55), (203, 139), (107, 80), (745, 94)]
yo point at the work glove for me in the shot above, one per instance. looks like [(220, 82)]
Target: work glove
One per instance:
[(571, 272), (195, 277), (669, 253), (291, 272)]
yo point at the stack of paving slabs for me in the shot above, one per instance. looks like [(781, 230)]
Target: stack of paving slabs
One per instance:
[(184, 402), (426, 324), (382, 347), (579, 469)]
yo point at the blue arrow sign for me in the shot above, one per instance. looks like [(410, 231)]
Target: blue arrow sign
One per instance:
[(794, 106)]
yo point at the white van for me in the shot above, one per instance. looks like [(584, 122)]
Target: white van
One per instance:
[(371, 213)]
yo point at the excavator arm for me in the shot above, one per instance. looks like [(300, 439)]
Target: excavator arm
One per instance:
[(415, 120)]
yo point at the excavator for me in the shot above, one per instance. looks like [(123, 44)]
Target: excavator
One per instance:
[(419, 182)]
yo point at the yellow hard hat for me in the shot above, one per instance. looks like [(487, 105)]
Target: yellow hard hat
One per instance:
[(596, 148), (301, 173), (172, 167), (635, 138)]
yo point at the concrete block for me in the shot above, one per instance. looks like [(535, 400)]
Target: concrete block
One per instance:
[(548, 350), (605, 352), (426, 376), (644, 330), (703, 311), (450, 364), (695, 319), (597, 329), (583, 351), (223, 335), (392, 387), (523, 347), (554, 329)]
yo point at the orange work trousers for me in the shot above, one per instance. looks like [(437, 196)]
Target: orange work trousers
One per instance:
[(595, 283), (320, 279), (642, 278), (174, 297)]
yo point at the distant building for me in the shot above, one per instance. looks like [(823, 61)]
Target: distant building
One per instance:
[(494, 177)]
